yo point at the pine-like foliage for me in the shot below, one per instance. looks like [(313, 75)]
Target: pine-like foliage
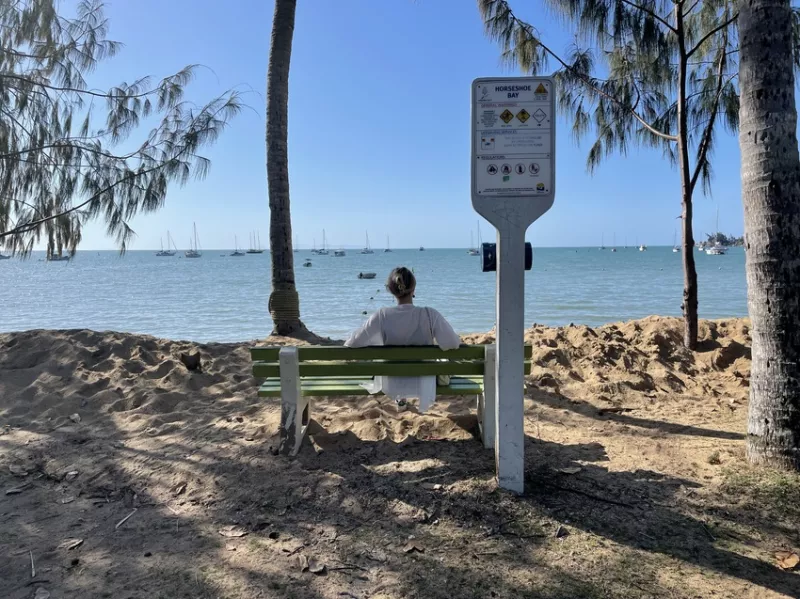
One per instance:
[(66, 156)]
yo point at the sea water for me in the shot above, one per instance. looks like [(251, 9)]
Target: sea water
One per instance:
[(222, 298)]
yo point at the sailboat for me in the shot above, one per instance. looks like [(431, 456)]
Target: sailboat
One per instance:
[(717, 249), (194, 249), (602, 241), (324, 251), (255, 243), (614, 247), (675, 248), (168, 251), (296, 244), (367, 249), (388, 249), (472, 251), (236, 251)]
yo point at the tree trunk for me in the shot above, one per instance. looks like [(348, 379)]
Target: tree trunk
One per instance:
[(689, 306), (284, 302), (771, 198)]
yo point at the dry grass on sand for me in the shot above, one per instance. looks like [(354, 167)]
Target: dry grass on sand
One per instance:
[(637, 482)]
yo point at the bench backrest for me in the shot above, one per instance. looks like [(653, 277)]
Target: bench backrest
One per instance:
[(338, 361)]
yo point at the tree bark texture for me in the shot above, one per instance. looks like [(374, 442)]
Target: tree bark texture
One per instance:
[(689, 306), (284, 302), (771, 199)]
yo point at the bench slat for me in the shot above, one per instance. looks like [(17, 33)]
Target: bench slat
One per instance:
[(325, 387), (422, 352), (375, 368)]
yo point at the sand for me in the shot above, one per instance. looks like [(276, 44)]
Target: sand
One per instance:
[(637, 482)]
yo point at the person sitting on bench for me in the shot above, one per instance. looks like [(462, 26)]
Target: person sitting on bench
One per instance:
[(405, 324)]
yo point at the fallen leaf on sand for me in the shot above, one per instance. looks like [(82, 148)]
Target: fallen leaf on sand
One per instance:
[(70, 475), (75, 417), (787, 560), (302, 562), (571, 470), (17, 470), (179, 489), (412, 547), (431, 486), (561, 532), (315, 566), (16, 490), (70, 544), (41, 594), (232, 532), (69, 499), (230, 547)]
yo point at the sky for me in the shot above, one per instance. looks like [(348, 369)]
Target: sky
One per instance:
[(379, 126)]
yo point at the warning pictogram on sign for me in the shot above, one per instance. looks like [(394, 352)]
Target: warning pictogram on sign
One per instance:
[(523, 115), (540, 92), (507, 115)]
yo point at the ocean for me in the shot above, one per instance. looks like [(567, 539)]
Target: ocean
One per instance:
[(223, 298)]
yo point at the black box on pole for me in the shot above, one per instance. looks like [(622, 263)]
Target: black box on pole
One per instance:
[(489, 257)]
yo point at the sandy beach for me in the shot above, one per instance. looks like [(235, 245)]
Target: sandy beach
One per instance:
[(125, 475)]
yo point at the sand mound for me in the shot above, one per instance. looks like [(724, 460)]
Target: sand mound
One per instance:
[(167, 476)]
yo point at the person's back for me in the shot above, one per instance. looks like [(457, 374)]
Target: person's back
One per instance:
[(405, 324)]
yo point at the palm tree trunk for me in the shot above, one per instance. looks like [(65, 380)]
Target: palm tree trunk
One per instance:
[(771, 198), (689, 305), (284, 302)]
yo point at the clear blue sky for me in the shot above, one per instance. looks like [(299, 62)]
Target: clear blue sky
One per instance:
[(378, 129)]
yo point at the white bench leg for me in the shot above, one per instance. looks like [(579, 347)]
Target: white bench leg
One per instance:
[(487, 403), (295, 409)]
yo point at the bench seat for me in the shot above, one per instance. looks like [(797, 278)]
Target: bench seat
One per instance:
[(327, 386), (297, 374)]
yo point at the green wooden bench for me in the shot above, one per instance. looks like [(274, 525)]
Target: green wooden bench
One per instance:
[(296, 374)]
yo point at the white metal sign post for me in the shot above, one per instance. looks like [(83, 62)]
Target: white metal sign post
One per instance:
[(513, 184)]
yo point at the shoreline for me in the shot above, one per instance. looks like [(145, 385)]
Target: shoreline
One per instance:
[(467, 337)]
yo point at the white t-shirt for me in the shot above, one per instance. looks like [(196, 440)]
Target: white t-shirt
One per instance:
[(406, 325)]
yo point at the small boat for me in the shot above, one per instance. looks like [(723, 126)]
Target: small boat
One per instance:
[(236, 251), (339, 253), (2, 257), (324, 251), (58, 258), (675, 248), (307, 263), (367, 275), (472, 251), (367, 249), (602, 242), (717, 249), (255, 244), (421, 249), (643, 248), (194, 248), (614, 247), (167, 252), (388, 249)]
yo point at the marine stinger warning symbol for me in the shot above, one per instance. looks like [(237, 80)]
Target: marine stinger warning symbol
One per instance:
[(523, 115), (507, 115), (541, 92)]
